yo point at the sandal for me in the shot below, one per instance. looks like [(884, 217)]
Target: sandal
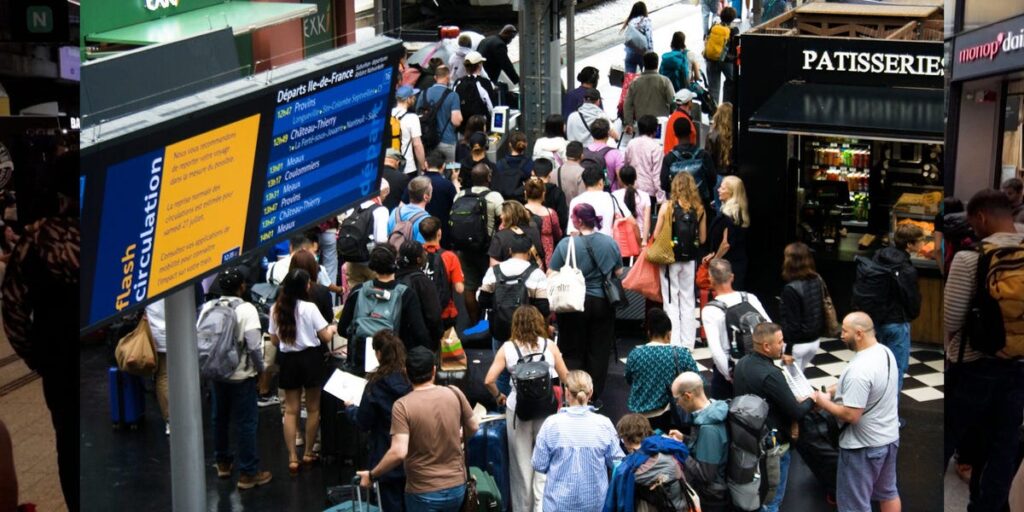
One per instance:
[(311, 459), (293, 467)]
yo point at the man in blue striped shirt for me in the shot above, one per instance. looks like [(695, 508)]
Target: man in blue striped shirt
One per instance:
[(575, 449)]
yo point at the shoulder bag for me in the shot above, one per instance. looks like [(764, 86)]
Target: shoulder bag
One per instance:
[(831, 323), (611, 284), (136, 352), (660, 250), (567, 287)]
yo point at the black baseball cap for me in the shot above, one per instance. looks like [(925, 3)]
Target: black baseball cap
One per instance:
[(419, 362), (230, 280)]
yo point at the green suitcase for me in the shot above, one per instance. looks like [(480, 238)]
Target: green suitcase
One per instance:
[(488, 495)]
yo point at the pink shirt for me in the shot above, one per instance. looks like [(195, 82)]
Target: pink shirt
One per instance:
[(645, 155), (613, 161)]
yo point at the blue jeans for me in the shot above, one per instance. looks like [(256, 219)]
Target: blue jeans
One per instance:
[(707, 14), (988, 398), (897, 338), (235, 402), (505, 379), (780, 492), (634, 60), (445, 500)]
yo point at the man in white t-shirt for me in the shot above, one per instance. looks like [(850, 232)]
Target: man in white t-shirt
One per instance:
[(713, 320), (412, 145), (865, 399), (595, 196), (234, 400)]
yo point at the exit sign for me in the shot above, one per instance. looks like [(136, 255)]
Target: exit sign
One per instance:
[(40, 20)]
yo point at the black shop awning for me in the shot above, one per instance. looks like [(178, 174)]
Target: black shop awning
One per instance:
[(914, 115)]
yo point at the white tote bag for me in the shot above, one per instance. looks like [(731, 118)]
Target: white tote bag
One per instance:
[(567, 288)]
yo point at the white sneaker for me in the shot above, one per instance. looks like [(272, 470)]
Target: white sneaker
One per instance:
[(167, 428), (267, 401)]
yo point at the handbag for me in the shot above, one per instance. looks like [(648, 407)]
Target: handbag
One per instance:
[(453, 357), (635, 39), (567, 287), (643, 278), (626, 232), (704, 276), (611, 284), (660, 250), (832, 326), (136, 352)]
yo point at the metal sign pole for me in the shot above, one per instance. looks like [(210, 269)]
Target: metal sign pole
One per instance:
[(188, 478)]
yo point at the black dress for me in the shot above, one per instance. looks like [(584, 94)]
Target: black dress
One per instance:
[(737, 255)]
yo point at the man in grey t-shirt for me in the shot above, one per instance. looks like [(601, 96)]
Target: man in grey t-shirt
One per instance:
[(865, 399)]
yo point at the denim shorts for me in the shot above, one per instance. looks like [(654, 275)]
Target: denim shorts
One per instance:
[(866, 474)]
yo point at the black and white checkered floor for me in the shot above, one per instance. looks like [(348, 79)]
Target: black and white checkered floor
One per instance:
[(923, 381)]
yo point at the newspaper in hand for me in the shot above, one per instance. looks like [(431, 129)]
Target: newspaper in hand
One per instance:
[(797, 382)]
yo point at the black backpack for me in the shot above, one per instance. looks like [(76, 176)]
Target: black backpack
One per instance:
[(467, 223), (438, 274), (470, 101), (430, 134), (535, 396), (596, 159), (740, 321), (355, 235), (874, 290), (508, 180), (685, 233), (509, 293)]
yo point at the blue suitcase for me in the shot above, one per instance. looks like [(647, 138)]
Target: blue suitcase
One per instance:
[(349, 498), (127, 399), (488, 450)]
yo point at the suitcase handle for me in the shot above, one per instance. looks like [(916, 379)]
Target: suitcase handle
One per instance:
[(365, 507)]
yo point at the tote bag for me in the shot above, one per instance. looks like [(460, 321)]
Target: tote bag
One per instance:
[(136, 352), (626, 232), (643, 278), (635, 39), (660, 251), (567, 288)]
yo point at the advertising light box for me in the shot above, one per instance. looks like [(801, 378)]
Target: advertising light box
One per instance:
[(172, 194)]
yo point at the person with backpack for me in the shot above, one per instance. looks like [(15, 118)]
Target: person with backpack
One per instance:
[(476, 92), (802, 311), (579, 124), (727, 237), (886, 289), (569, 176), (394, 178), (477, 143), (411, 144), (516, 222), (444, 270), (687, 218), (602, 155), (651, 477), (411, 259), (440, 115), (756, 374), (383, 388), (549, 220), (596, 198), (298, 329), (536, 364), (234, 393), (552, 145), (514, 169), (639, 32), (651, 368), (442, 190), (986, 389), (649, 94), (865, 402), (404, 221), (708, 441), (473, 222), (644, 153), (587, 336), (362, 228), (426, 439), (683, 110), (381, 303), (686, 158), (720, 54), (679, 65), (724, 330)]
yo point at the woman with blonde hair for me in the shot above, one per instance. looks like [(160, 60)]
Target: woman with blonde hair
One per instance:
[(516, 221), (575, 449), (684, 211), (728, 233), (529, 342)]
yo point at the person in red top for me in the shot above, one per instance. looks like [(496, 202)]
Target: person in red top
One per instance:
[(430, 228), (683, 99)]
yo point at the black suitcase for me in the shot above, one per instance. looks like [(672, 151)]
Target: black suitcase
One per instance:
[(340, 438), (471, 381)]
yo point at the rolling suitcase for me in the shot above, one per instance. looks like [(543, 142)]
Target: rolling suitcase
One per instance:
[(487, 493), (340, 438), (349, 498), (127, 399), (488, 450)]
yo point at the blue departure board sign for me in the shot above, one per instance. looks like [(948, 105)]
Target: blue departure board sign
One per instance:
[(166, 203)]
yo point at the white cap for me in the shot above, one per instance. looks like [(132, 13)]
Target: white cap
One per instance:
[(684, 96), (474, 57)]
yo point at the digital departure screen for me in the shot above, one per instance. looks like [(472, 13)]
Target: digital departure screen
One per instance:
[(170, 203)]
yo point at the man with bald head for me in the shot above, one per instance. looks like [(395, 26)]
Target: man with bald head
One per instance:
[(708, 441), (865, 400)]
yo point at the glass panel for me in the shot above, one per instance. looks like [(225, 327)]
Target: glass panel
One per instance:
[(983, 12), (1013, 134)]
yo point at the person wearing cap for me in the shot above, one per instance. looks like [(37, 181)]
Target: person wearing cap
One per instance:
[(426, 438), (475, 90), (649, 94), (412, 145), (234, 400), (683, 103), (588, 78), (577, 125), (394, 178), (494, 49)]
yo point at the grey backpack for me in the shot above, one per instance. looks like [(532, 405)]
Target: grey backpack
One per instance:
[(219, 348), (748, 431), (376, 309)]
